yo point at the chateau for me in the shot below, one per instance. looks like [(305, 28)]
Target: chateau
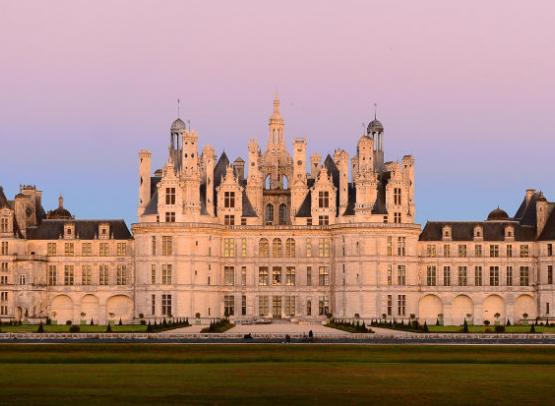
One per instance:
[(277, 236)]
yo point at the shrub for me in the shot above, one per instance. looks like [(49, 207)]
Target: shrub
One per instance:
[(149, 328), (532, 329), (508, 322), (68, 322), (499, 328), (74, 328), (41, 328), (109, 328), (48, 321), (141, 316), (465, 326), (486, 323), (120, 323), (143, 322), (425, 328)]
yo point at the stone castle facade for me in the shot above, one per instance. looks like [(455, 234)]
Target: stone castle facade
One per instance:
[(278, 236)]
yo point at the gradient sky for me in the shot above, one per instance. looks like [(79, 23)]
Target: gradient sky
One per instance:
[(468, 88)]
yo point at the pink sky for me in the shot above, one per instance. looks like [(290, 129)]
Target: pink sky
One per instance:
[(466, 87)]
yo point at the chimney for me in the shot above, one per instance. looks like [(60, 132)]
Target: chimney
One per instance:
[(239, 166), (542, 213), (529, 194)]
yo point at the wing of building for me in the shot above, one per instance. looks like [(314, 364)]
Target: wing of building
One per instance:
[(275, 236)]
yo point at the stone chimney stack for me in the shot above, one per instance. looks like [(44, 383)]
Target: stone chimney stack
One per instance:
[(542, 213)]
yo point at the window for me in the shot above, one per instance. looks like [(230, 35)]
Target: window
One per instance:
[(243, 247), (86, 249), (324, 306), (166, 305), (243, 276), (323, 199), (397, 196), (308, 247), (276, 275), (524, 276), (4, 267), (69, 275), (397, 218), (289, 306), (166, 274), (263, 248), (494, 251), (4, 280), (3, 306), (4, 225), (51, 248), (69, 249), (323, 220), (478, 276), (22, 279), (243, 305), (389, 305), (121, 275), (509, 276), (52, 275), (153, 304), (324, 247), (431, 275), (153, 245), (385, 219), (308, 276), (546, 307), (509, 251), (153, 274), (86, 275), (229, 305), (389, 246), (4, 250), (446, 276), (401, 305), (550, 274), (401, 246), (229, 276), (462, 250), (104, 250), (463, 279), (121, 249), (229, 247), (524, 251), (282, 214), (243, 221), (309, 221), (229, 200), (263, 277), (494, 276), (389, 275), (263, 306), (290, 276), (167, 244), (170, 217), (170, 195), (323, 276), (446, 250), (477, 250), (229, 220), (401, 275), (103, 275), (269, 214), (276, 306), (431, 250), (276, 248), (550, 250), (309, 307), (290, 248)]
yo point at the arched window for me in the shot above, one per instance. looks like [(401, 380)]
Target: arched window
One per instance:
[(290, 248), (269, 215), (267, 183), (276, 248), (282, 214), (263, 248), (284, 182)]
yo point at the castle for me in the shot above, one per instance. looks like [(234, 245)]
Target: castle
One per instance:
[(278, 236)]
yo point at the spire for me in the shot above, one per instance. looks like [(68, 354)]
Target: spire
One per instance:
[(61, 201), (375, 111), (276, 113)]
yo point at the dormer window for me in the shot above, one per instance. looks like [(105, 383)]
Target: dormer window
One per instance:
[(69, 231), (509, 232), (104, 231), (478, 233), (446, 233)]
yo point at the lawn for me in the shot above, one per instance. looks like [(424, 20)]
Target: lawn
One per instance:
[(481, 329), (60, 328), (276, 374)]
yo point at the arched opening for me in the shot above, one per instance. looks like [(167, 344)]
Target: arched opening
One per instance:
[(461, 309), (89, 309), (430, 309), (62, 309), (267, 182), (290, 248), (263, 248), (283, 214), (494, 309), (524, 309), (119, 307), (284, 182), (276, 248), (269, 214)]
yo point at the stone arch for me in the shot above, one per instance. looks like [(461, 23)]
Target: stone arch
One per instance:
[(269, 214), (277, 248), (89, 309), (430, 308), (119, 307), (61, 309), (492, 305), (283, 214), (461, 308), (524, 304)]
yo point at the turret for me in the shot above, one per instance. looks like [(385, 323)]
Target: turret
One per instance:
[(375, 131), (542, 213), (341, 159), (298, 186), (315, 160), (209, 162), (254, 177), (144, 179)]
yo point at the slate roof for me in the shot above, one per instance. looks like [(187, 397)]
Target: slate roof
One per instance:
[(85, 229), (548, 232), (3, 199), (464, 231), (152, 206), (306, 207), (248, 210)]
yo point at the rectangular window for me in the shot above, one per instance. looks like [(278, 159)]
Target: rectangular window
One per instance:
[(463, 276), (121, 275), (263, 306), (431, 275), (229, 305), (166, 274), (121, 249), (229, 220), (276, 275), (309, 221), (478, 276), (229, 276), (389, 246), (462, 250), (69, 275), (276, 306), (103, 275), (401, 246), (104, 249), (446, 276), (550, 274), (550, 250), (323, 220), (51, 248), (389, 305), (389, 275), (401, 275), (324, 247), (243, 276), (397, 196), (167, 245), (170, 217), (243, 221), (447, 250), (290, 276), (69, 249), (524, 276), (494, 251), (509, 276), (229, 200), (170, 195), (397, 218), (323, 306), (229, 247), (308, 247), (324, 277), (524, 251), (243, 305), (153, 245), (263, 277), (153, 274), (166, 305), (323, 199), (86, 275), (509, 251), (4, 280), (289, 306), (4, 267), (153, 304), (401, 305), (431, 250), (309, 307), (52, 275), (546, 307), (86, 249), (494, 276), (308, 276), (477, 250), (243, 247), (4, 225), (4, 250)]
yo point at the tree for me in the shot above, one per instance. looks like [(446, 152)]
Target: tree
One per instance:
[(465, 326), (109, 328), (532, 329), (41, 328), (120, 323), (92, 322), (425, 328)]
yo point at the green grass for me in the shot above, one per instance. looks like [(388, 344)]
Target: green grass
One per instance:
[(84, 328), (481, 329), (276, 374)]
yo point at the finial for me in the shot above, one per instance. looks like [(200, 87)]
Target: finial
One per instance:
[(375, 110), (178, 112), (60, 201), (189, 125)]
